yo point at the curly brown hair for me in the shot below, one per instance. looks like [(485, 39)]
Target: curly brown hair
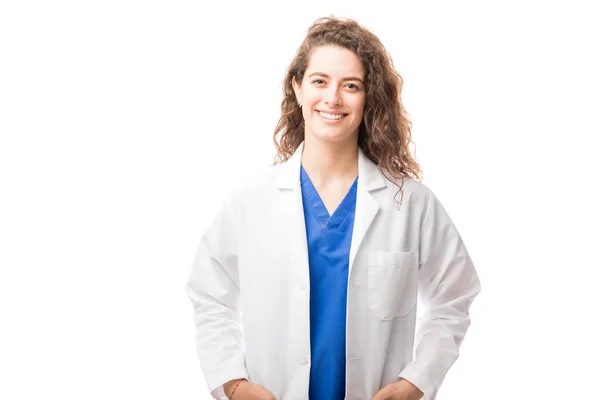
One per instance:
[(384, 133)]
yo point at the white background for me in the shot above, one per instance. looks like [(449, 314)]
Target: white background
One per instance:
[(122, 123)]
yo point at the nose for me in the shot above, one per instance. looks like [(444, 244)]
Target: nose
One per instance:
[(331, 97)]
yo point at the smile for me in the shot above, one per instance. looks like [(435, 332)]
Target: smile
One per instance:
[(331, 116)]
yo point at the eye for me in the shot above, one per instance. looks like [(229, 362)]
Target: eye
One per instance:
[(318, 81), (353, 86)]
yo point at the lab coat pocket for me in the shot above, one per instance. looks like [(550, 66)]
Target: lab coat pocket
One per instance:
[(392, 283)]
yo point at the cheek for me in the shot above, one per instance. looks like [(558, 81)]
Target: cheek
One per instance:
[(359, 110), (358, 104), (313, 99)]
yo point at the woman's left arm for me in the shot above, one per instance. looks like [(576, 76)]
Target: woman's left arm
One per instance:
[(448, 283)]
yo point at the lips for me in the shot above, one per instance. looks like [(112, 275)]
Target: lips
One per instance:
[(334, 116)]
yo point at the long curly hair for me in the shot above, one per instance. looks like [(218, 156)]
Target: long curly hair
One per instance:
[(385, 132)]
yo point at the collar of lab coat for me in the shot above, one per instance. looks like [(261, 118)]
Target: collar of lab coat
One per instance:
[(370, 178), (367, 206)]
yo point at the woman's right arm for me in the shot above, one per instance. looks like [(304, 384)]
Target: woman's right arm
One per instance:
[(214, 289)]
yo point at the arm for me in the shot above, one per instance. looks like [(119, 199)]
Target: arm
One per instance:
[(448, 283), (213, 288)]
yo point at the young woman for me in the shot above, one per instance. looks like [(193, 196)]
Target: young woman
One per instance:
[(306, 284)]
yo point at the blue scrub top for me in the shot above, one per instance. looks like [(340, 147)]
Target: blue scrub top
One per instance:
[(329, 240)]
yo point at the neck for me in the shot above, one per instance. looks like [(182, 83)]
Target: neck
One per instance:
[(329, 162)]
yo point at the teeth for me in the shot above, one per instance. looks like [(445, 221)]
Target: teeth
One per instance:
[(331, 116)]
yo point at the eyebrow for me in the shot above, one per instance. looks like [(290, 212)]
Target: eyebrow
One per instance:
[(350, 78)]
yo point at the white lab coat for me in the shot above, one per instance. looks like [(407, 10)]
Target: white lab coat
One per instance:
[(249, 286)]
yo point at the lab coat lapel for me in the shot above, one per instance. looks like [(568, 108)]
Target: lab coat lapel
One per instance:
[(367, 206), (288, 182)]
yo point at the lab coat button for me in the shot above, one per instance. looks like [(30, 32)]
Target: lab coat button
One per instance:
[(303, 359), (303, 285)]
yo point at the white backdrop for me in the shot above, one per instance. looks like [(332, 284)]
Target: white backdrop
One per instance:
[(122, 123)]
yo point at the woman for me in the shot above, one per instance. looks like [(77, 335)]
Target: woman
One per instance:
[(328, 251)]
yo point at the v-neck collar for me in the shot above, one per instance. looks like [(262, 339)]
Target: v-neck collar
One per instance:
[(318, 207)]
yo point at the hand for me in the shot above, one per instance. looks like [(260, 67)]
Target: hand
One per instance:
[(247, 391), (401, 390)]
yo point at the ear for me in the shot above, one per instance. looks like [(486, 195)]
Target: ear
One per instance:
[(297, 89)]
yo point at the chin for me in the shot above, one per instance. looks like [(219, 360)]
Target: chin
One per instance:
[(333, 137)]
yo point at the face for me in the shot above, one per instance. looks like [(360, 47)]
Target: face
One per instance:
[(332, 94)]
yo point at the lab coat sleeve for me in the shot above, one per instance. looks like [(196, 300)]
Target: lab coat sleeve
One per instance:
[(213, 288), (447, 283)]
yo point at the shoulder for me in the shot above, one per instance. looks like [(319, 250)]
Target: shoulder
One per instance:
[(258, 183), (413, 192)]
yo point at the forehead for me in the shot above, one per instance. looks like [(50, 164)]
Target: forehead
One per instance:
[(334, 61)]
